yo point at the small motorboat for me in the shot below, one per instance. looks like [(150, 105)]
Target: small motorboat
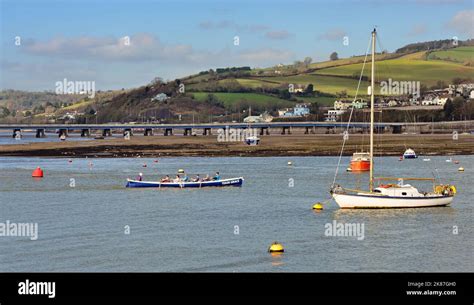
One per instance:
[(252, 140), (360, 162), (409, 154), (213, 183)]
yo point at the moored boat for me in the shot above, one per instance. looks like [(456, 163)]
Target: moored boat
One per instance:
[(398, 195), (409, 154), (213, 183), (360, 162)]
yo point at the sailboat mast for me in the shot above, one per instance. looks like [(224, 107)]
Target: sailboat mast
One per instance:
[(372, 107)]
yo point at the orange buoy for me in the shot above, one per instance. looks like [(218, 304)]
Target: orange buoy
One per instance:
[(37, 173)]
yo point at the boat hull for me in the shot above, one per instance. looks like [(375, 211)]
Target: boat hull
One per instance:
[(156, 184), (362, 201), (360, 166)]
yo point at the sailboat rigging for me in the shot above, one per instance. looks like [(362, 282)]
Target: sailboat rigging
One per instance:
[(399, 195)]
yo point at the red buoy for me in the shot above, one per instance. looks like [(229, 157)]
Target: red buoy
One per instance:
[(37, 173)]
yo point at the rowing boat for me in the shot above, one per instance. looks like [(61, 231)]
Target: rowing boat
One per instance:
[(214, 183)]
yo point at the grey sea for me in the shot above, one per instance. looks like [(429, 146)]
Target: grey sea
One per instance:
[(88, 221)]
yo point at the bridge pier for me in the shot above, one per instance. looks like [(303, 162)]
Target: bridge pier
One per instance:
[(187, 131), (206, 132), (17, 133), (85, 132), (40, 133), (62, 132), (397, 129), (264, 130), (168, 131), (148, 132), (286, 128), (106, 132)]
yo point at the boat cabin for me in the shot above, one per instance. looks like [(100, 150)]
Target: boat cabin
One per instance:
[(405, 190)]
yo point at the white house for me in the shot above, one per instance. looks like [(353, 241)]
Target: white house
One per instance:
[(392, 103), (160, 97), (333, 115), (342, 105)]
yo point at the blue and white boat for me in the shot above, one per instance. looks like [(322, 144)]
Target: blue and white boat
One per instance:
[(409, 154), (213, 183)]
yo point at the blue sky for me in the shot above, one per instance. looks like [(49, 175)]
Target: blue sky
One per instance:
[(84, 40)]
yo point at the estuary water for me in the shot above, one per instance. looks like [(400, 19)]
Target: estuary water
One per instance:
[(88, 221)]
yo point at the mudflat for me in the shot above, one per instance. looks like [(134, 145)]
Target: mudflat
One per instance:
[(270, 145)]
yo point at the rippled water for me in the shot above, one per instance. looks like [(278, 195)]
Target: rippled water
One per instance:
[(82, 228)]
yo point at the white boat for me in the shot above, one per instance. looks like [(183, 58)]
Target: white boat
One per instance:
[(398, 195), (252, 140), (409, 154), (394, 196)]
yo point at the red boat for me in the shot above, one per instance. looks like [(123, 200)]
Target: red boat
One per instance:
[(360, 162)]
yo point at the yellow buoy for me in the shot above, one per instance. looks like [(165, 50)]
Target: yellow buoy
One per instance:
[(318, 206), (461, 169), (180, 171), (276, 247)]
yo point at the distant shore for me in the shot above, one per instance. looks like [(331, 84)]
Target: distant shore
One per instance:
[(271, 145)]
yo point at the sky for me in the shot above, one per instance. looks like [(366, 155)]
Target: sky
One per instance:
[(126, 44)]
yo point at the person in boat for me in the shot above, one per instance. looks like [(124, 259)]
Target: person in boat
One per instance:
[(197, 178), (140, 177), (185, 178), (166, 179), (217, 176), (177, 179), (207, 178)]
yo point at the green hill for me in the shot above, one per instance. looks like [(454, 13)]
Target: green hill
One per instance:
[(461, 55)]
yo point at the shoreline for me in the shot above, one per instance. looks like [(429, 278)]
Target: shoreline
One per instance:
[(270, 146)]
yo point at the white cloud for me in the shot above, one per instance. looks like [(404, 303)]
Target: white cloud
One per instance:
[(417, 30), (279, 35), (334, 34), (463, 23), (142, 47), (227, 24), (264, 56)]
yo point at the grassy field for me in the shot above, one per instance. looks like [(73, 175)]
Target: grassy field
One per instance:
[(427, 72), (461, 54), (328, 84), (231, 98), (323, 100), (335, 76)]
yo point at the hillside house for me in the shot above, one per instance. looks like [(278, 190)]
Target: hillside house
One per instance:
[(160, 97), (333, 115)]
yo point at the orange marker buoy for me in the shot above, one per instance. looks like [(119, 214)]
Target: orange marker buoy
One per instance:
[(37, 173)]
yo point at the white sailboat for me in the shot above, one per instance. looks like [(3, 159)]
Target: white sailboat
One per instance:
[(399, 195)]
